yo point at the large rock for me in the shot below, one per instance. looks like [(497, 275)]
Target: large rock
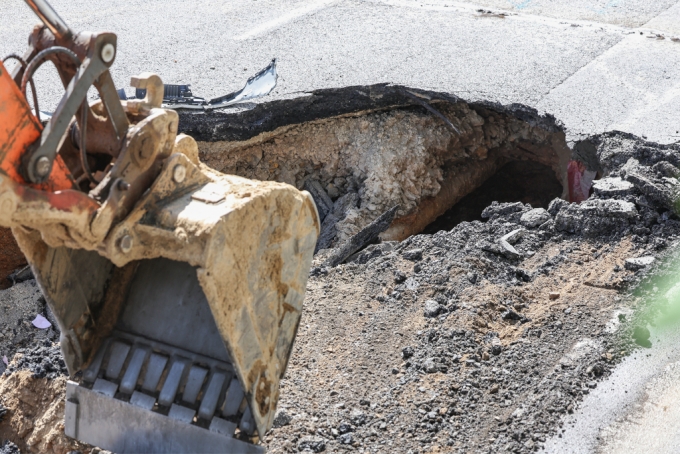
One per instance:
[(596, 217), (534, 218), (612, 187)]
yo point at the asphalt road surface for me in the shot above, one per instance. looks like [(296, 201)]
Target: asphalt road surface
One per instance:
[(597, 65)]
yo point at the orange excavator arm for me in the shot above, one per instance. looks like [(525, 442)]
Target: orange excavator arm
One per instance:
[(19, 131)]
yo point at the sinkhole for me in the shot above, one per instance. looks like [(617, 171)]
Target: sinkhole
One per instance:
[(517, 181), (440, 159)]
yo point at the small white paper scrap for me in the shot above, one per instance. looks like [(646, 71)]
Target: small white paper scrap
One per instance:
[(41, 322)]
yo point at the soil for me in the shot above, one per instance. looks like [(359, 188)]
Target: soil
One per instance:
[(497, 370), (11, 257)]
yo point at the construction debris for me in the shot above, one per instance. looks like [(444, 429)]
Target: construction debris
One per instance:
[(367, 235), (341, 208), (324, 204), (179, 96), (41, 322), (639, 263)]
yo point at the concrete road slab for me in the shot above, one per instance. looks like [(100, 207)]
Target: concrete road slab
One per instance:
[(626, 13), (655, 424), (633, 87), (517, 59), (621, 411), (667, 22)]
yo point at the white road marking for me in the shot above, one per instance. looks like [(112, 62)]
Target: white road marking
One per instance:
[(311, 7)]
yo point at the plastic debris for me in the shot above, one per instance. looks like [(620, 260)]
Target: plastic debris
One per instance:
[(580, 180), (180, 96), (41, 322), (5, 360)]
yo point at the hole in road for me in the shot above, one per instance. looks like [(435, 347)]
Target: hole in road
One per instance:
[(406, 156), (518, 181)]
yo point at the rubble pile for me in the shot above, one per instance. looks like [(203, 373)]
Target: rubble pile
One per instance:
[(482, 338)]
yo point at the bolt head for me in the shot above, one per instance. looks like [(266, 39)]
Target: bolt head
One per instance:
[(125, 244), (43, 166), (108, 52), (179, 173), (123, 185)]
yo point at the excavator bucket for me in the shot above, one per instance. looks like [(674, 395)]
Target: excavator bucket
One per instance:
[(177, 289), (183, 332)]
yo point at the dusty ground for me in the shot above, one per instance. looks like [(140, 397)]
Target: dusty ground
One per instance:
[(35, 419), (467, 380)]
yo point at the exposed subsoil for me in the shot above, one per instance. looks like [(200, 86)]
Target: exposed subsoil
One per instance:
[(437, 345), (11, 256), (384, 147), (444, 342)]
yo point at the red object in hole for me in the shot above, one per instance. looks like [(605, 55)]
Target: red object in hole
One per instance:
[(580, 180)]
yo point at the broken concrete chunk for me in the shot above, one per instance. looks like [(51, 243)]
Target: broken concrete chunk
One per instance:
[(430, 367), (656, 191), (432, 308), (612, 187), (344, 204), (324, 204), (503, 245), (547, 226), (312, 444), (666, 169), (508, 251), (328, 233), (339, 212), (501, 209), (556, 205), (596, 217), (638, 263), (661, 191), (494, 248), (407, 352), (513, 236), (367, 235), (413, 254), (371, 252), (511, 315), (534, 218), (281, 419)]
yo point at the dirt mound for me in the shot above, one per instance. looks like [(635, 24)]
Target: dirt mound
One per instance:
[(34, 420), (462, 342)]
